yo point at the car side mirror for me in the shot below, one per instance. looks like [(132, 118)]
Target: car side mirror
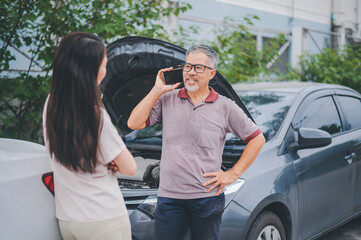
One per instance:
[(311, 138)]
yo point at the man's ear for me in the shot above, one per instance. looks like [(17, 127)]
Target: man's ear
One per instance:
[(213, 72)]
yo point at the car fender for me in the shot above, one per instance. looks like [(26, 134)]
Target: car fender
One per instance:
[(280, 205), (270, 183)]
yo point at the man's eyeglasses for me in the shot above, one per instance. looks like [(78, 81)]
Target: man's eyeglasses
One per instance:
[(198, 68)]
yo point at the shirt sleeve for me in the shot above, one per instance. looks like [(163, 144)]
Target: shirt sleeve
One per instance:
[(241, 125), (110, 144), (155, 115)]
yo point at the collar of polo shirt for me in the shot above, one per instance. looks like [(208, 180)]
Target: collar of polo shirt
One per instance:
[(213, 95)]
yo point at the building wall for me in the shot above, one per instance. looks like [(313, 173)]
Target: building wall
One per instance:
[(280, 16)]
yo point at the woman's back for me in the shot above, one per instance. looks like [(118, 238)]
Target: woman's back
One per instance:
[(82, 142), (83, 196)]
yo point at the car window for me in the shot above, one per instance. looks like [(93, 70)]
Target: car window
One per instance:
[(351, 107), (321, 114), (268, 109)]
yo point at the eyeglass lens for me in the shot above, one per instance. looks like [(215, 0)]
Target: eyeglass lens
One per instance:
[(197, 68)]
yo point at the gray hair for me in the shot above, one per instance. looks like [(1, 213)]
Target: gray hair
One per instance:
[(212, 55)]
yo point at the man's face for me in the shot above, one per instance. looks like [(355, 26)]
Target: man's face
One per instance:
[(194, 81)]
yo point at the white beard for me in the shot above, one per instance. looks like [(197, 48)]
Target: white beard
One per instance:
[(191, 88)]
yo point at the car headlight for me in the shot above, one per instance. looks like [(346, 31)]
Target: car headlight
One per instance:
[(232, 189), (150, 203)]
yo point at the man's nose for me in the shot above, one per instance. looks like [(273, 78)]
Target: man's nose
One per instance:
[(193, 70)]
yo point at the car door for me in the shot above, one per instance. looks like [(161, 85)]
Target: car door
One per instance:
[(325, 177), (350, 105)]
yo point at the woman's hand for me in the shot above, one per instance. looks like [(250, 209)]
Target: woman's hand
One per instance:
[(113, 167)]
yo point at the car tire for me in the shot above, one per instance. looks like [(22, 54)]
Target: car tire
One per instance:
[(266, 226)]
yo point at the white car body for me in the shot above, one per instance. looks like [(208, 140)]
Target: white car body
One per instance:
[(27, 207)]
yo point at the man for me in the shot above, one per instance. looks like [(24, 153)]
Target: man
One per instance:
[(195, 121)]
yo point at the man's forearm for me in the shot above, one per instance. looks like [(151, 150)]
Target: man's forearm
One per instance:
[(249, 155), (221, 179), (140, 114)]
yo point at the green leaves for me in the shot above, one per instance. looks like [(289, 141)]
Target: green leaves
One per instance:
[(332, 66), (240, 59), (39, 25), (21, 100)]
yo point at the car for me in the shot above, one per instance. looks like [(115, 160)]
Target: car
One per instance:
[(305, 181), (27, 206)]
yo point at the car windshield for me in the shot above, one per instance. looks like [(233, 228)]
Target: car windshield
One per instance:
[(148, 132), (268, 109)]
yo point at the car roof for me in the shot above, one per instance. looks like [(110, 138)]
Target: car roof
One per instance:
[(290, 87), (284, 86), (18, 150)]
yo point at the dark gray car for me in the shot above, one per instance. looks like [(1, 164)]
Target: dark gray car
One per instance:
[(306, 179)]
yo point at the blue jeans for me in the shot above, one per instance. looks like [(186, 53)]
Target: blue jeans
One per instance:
[(203, 216)]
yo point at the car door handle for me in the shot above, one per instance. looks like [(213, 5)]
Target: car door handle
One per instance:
[(350, 157)]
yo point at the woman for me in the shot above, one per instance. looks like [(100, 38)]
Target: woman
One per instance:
[(83, 144)]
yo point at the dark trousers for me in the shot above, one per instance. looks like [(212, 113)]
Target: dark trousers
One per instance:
[(173, 218)]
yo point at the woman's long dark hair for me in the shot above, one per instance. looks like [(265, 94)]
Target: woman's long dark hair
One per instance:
[(74, 107)]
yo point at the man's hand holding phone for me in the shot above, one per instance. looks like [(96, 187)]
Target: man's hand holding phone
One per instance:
[(140, 114), (174, 76), (160, 82)]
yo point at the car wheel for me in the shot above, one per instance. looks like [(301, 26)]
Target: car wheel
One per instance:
[(266, 226)]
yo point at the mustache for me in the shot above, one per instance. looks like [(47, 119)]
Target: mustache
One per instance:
[(192, 78)]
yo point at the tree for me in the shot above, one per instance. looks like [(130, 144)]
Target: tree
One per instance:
[(39, 25), (240, 60), (333, 66)]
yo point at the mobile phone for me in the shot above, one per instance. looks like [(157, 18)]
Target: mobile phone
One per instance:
[(173, 76)]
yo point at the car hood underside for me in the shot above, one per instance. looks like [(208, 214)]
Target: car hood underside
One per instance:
[(133, 63)]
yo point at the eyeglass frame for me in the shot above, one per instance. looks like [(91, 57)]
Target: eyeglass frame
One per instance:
[(194, 67)]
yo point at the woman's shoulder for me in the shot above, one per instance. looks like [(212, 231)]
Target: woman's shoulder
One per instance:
[(105, 115)]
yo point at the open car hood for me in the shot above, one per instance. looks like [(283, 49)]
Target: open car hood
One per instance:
[(133, 63)]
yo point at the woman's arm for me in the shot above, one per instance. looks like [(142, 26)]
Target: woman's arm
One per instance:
[(126, 163)]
